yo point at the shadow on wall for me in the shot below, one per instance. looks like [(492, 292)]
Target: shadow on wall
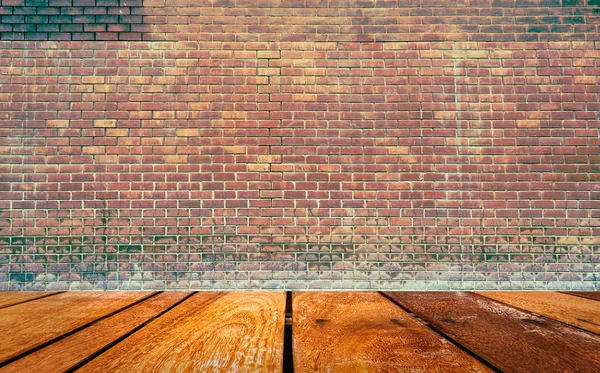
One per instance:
[(71, 19)]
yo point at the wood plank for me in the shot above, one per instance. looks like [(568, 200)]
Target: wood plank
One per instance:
[(581, 312), (67, 353), (10, 298), (208, 332), (365, 332), (510, 339), (28, 325), (586, 294)]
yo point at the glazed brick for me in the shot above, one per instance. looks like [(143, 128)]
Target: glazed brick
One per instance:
[(299, 144)]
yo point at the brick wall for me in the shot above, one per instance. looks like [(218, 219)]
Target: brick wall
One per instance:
[(345, 144)]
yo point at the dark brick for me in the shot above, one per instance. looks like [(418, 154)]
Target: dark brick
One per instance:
[(36, 19), (13, 19), (46, 10), (574, 20), (59, 19), (24, 27), (76, 27), (21, 277), (94, 10), (25, 10), (107, 19), (36, 35), (48, 28), (72, 10), (130, 19)]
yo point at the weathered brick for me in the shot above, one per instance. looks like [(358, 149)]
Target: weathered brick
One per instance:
[(300, 144)]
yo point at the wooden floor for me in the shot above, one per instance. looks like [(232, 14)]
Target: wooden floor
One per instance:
[(300, 332)]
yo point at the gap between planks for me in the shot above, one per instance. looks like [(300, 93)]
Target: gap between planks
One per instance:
[(126, 335), (210, 331), (509, 338), (578, 312), (288, 325), (444, 335), (20, 298), (365, 332), (595, 295), (11, 357)]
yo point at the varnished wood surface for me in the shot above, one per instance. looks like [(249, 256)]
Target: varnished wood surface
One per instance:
[(332, 332), (66, 353), (209, 332), (10, 298), (581, 312), (586, 294), (365, 332), (510, 339), (28, 325)]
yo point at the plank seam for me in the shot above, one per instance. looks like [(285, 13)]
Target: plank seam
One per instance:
[(31, 300), (580, 295), (288, 338), (65, 335), (537, 314), (444, 335), (126, 335)]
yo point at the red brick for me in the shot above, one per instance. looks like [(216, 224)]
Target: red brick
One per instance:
[(256, 127)]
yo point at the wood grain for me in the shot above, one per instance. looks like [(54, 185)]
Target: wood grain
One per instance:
[(580, 312), (70, 351), (28, 325), (365, 332), (10, 298), (510, 339), (209, 332), (586, 294)]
